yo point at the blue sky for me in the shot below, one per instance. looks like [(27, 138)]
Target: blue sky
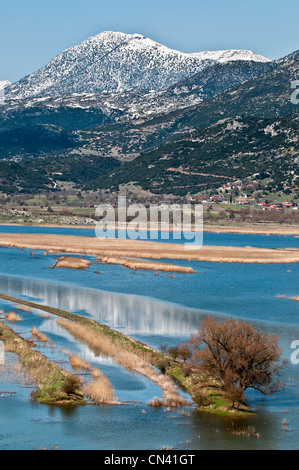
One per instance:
[(34, 31)]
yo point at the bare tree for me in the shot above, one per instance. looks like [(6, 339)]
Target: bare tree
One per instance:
[(184, 351), (238, 356), (173, 352)]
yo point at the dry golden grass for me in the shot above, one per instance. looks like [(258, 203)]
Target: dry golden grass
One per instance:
[(143, 264), (155, 402), (24, 308), (263, 229), (72, 263), (43, 315), (101, 343), (78, 363), (13, 317), (34, 331), (49, 377), (39, 336), (96, 373), (295, 297), (147, 249), (100, 390), (13, 372)]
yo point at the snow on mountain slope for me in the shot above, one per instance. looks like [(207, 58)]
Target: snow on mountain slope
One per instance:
[(3, 85), (231, 55), (117, 62)]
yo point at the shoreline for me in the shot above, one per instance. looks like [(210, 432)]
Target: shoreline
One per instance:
[(254, 229), (71, 244), (50, 378)]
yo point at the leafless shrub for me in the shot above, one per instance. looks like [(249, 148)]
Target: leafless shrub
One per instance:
[(71, 384)]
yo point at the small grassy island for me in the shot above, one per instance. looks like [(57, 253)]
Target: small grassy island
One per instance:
[(54, 385)]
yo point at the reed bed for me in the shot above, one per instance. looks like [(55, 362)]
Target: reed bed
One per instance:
[(72, 263), (250, 431), (50, 378), (100, 390), (134, 264), (39, 336), (24, 308), (78, 363), (147, 249), (14, 373)]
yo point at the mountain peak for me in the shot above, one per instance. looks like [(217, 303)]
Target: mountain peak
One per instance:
[(116, 62), (138, 39)]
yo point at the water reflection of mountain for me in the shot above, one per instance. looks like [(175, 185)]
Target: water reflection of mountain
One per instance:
[(129, 313), (139, 316)]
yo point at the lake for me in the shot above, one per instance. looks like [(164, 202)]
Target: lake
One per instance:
[(156, 310)]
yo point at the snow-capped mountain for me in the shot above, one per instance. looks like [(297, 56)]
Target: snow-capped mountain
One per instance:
[(231, 55), (83, 110), (3, 85), (118, 62)]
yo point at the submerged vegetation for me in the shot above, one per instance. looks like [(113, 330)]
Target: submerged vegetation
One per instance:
[(53, 382), (215, 367), (138, 360), (223, 360)]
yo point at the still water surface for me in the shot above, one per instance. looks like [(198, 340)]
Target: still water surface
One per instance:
[(156, 310)]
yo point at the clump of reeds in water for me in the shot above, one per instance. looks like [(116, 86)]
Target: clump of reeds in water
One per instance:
[(78, 363), (13, 372), (39, 336), (73, 263), (169, 400), (100, 390), (24, 308), (43, 315), (250, 431), (13, 317), (156, 403)]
